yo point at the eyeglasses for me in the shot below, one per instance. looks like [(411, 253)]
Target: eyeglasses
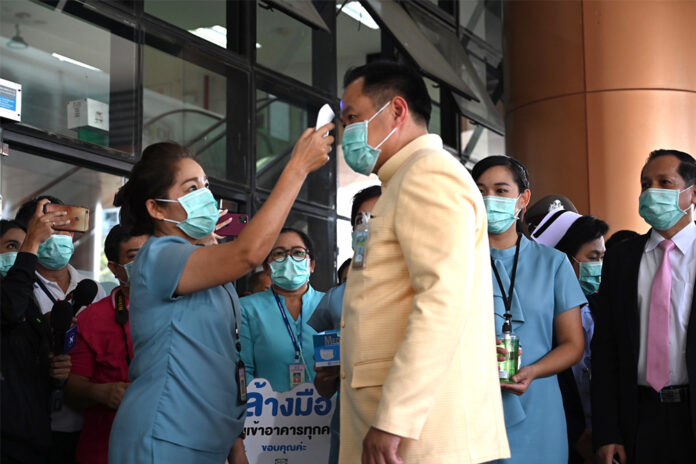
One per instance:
[(296, 253)]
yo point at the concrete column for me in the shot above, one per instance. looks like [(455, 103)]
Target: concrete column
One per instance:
[(591, 87)]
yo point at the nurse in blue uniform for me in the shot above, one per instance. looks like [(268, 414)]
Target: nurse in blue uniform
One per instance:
[(184, 404), (277, 341), (546, 300)]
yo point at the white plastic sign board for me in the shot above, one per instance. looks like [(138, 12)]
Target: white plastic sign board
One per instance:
[(10, 100)]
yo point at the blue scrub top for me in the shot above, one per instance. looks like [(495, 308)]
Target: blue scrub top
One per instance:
[(545, 287), (327, 316), (184, 387), (267, 350)]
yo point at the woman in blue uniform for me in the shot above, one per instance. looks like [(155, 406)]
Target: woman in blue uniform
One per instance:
[(545, 300), (277, 341), (184, 403)]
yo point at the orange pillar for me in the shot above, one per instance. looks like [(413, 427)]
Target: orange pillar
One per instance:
[(591, 87)]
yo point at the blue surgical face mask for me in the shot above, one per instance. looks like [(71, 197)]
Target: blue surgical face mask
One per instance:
[(55, 252), (590, 276), (201, 213), (7, 260), (127, 267), (289, 274), (501, 212), (359, 155), (660, 207)]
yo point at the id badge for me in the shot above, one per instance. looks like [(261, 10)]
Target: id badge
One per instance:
[(362, 235), (241, 378), (297, 375)]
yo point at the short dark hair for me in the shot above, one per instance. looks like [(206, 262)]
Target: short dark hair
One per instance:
[(342, 268), (254, 278), (150, 178), (620, 236), (6, 225), (687, 165), (383, 80), (517, 169), (114, 239), (28, 209), (361, 197), (309, 245), (585, 229)]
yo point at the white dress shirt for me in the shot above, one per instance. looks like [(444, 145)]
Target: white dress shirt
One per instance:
[(67, 419), (683, 260)]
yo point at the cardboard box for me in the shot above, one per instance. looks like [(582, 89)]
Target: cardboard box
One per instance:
[(88, 113), (327, 348)]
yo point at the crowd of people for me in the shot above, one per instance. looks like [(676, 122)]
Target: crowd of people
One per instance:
[(447, 263)]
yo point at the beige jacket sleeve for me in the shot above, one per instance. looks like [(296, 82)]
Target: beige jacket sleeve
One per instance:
[(437, 226)]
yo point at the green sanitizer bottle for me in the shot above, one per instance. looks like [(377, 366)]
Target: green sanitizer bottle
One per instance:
[(507, 369)]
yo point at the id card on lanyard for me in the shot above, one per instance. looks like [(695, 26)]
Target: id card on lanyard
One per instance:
[(297, 371), (362, 236)]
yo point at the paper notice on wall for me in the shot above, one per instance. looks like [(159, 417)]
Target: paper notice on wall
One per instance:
[(287, 427), (10, 100)]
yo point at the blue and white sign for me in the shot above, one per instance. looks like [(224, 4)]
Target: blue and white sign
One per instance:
[(287, 427), (10, 100)]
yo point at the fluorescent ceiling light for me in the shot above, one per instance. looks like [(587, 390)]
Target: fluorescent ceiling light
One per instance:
[(75, 62), (356, 11), (216, 34)]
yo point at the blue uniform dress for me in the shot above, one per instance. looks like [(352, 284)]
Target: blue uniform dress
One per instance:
[(327, 316), (182, 405), (545, 287), (267, 350)]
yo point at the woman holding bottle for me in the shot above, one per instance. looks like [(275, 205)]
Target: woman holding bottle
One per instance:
[(536, 286)]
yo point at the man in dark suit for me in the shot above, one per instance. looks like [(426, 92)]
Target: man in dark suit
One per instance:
[(644, 346)]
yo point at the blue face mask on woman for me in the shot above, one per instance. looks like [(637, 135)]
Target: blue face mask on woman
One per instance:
[(201, 213), (590, 276), (55, 252), (501, 212), (289, 274), (359, 155), (7, 260), (660, 207)]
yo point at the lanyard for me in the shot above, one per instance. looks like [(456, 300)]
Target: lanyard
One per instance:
[(295, 344), (45, 290), (507, 299)]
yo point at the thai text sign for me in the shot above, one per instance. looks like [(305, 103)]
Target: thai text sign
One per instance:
[(287, 427)]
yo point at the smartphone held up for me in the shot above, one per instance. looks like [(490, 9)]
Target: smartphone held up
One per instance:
[(78, 216)]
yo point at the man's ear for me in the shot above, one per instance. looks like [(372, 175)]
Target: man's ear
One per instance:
[(399, 110)]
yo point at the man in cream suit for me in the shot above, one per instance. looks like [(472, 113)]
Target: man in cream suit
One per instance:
[(418, 363)]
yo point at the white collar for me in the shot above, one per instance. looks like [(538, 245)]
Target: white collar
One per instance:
[(684, 239)]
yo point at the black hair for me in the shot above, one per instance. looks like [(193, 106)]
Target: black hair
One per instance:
[(585, 229), (687, 165), (384, 80), (517, 169), (7, 225), (309, 245), (254, 278), (28, 209), (114, 239), (361, 197), (620, 236), (342, 268), (150, 178)]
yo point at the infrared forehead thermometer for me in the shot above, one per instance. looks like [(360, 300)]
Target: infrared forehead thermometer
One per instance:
[(325, 116)]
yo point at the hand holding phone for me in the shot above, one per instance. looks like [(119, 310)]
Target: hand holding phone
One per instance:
[(78, 216), (234, 228)]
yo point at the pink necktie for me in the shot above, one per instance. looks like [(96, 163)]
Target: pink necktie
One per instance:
[(657, 371)]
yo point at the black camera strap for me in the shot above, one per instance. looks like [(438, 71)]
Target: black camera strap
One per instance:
[(507, 298), (122, 319)]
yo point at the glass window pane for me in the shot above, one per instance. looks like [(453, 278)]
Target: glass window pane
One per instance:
[(358, 38), (279, 124), (205, 18), (26, 176), (187, 103), (283, 44), (344, 241), (77, 78), (435, 119)]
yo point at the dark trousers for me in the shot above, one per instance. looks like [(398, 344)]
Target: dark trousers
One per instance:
[(64, 447), (665, 433)]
